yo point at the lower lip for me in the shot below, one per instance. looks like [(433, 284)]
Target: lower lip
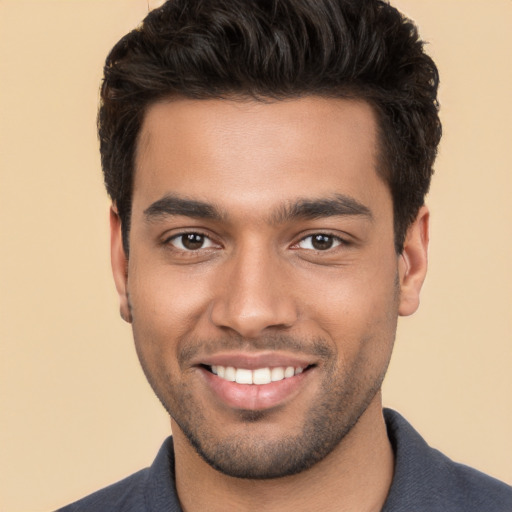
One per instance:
[(255, 397)]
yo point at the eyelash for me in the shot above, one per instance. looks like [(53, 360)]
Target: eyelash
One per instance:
[(181, 236), (336, 241)]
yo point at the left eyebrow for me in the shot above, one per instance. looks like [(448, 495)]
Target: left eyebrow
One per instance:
[(338, 205), (171, 205)]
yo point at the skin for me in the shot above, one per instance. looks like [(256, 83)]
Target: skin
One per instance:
[(255, 286)]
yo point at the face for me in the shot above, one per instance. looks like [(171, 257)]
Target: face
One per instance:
[(262, 283)]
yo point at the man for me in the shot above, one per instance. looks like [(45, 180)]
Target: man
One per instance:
[(268, 163)]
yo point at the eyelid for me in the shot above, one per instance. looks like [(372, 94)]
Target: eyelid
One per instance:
[(168, 240), (337, 241)]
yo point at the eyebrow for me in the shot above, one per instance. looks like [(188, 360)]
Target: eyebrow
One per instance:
[(337, 205), (171, 205)]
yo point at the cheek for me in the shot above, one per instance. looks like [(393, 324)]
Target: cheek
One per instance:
[(352, 299), (166, 308), (167, 299), (358, 312)]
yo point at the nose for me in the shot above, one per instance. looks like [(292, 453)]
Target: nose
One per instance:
[(255, 295)]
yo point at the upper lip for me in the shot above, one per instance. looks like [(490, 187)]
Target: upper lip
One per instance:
[(252, 361)]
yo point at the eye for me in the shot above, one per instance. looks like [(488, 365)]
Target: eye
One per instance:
[(320, 242), (191, 242)]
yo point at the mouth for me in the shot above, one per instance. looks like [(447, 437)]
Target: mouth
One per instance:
[(257, 376), (258, 387)]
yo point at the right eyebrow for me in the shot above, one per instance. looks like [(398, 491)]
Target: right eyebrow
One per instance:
[(337, 205), (171, 205)]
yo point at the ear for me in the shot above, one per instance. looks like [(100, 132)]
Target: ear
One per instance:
[(412, 263), (119, 264)]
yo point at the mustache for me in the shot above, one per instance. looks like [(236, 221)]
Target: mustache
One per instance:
[(189, 348)]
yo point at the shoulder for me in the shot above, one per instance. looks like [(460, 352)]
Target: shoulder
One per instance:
[(425, 479), (126, 495), (476, 490), (149, 490)]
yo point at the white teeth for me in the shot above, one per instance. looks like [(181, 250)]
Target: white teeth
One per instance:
[(261, 376), (230, 374), (289, 372), (258, 376), (243, 376), (277, 374)]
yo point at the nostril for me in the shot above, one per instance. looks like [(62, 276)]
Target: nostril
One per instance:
[(250, 310)]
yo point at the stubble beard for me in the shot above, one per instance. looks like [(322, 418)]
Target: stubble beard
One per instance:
[(249, 457), (345, 395)]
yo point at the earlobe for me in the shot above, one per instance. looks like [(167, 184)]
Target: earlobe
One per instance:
[(119, 264), (412, 264)]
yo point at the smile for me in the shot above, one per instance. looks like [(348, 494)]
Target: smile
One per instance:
[(258, 376), (256, 385)]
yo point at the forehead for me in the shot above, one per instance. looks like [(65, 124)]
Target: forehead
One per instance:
[(239, 152)]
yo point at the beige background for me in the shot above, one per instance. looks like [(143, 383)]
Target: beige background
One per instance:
[(76, 411)]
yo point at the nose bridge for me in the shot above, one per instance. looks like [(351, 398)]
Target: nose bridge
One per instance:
[(255, 296)]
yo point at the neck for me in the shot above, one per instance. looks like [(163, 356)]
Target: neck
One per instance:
[(356, 476)]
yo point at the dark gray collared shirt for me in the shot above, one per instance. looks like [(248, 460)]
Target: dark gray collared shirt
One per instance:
[(424, 481)]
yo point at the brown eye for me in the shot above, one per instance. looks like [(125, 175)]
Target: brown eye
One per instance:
[(319, 242), (322, 242), (191, 241)]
